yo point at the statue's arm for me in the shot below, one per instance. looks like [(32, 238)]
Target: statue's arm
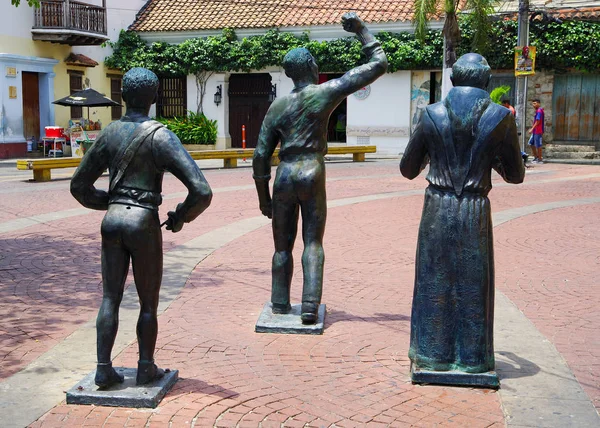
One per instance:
[(415, 157), (92, 165), (509, 162), (261, 162), (362, 75), (171, 156)]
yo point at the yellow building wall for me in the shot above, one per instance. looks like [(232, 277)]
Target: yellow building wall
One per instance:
[(96, 75)]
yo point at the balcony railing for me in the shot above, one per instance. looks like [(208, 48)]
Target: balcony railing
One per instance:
[(61, 16)]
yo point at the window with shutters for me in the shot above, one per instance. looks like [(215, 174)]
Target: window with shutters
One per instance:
[(116, 83), (172, 97), (75, 85)]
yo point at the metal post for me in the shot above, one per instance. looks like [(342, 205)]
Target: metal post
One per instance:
[(521, 81), (244, 139)]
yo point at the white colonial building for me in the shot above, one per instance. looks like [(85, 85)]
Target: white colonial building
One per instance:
[(380, 114)]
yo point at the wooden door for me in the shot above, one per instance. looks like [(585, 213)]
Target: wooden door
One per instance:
[(31, 105), (248, 105), (576, 107)]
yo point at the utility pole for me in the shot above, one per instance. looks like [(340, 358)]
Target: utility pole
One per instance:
[(521, 81)]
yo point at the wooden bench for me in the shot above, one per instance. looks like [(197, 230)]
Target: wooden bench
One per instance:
[(229, 156), (357, 152), (42, 167)]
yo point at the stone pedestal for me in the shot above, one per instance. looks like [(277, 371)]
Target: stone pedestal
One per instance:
[(126, 394), (290, 323), (455, 378)]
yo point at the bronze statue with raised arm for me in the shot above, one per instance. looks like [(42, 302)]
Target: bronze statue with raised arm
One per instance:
[(299, 122), (462, 138), (137, 151)]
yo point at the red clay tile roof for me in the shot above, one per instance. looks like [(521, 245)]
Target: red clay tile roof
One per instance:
[(189, 15), (580, 13), (591, 14), (80, 60)]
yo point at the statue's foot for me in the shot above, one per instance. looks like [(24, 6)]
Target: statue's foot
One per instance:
[(148, 372), (279, 308), (309, 312), (107, 376)]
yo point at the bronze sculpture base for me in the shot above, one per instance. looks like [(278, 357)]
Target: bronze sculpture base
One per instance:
[(289, 323), (455, 378), (126, 394)]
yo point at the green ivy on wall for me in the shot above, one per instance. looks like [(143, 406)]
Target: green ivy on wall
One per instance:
[(571, 45)]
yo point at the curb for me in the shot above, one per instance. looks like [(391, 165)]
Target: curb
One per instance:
[(574, 161)]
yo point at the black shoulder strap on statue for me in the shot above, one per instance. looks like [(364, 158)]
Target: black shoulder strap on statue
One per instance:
[(143, 131)]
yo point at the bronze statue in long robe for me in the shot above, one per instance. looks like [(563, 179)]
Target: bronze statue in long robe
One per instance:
[(463, 138)]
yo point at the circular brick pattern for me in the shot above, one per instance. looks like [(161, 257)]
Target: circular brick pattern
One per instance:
[(356, 374)]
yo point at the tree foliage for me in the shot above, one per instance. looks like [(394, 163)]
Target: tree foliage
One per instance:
[(477, 11), (568, 45), (32, 3), (571, 45)]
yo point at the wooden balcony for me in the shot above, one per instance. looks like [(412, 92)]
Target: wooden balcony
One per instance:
[(70, 23)]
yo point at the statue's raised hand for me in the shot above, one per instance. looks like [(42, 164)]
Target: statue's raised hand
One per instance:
[(352, 23)]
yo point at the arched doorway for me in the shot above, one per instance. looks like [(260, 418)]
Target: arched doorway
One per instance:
[(248, 105)]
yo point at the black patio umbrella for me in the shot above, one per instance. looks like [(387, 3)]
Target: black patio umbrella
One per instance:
[(86, 98)]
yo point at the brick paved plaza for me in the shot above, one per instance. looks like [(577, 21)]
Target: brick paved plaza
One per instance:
[(356, 373)]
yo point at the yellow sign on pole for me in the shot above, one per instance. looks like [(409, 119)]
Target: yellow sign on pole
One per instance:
[(524, 60)]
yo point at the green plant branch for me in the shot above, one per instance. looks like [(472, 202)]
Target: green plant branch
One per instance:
[(32, 3), (571, 45)]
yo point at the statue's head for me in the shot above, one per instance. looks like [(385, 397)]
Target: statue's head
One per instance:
[(140, 87), (471, 70), (299, 64)]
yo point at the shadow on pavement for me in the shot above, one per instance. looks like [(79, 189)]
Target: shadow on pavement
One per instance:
[(520, 368), (189, 385), (334, 315), (49, 285)]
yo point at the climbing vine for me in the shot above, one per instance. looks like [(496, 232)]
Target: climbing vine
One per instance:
[(571, 45)]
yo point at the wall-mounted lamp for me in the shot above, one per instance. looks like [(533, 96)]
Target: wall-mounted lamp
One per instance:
[(273, 93), (218, 95)]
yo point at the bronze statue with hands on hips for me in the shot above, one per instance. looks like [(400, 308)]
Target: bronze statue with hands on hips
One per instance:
[(137, 151)]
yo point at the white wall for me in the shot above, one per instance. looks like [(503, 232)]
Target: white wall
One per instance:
[(15, 21), (284, 83), (212, 111), (383, 118)]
